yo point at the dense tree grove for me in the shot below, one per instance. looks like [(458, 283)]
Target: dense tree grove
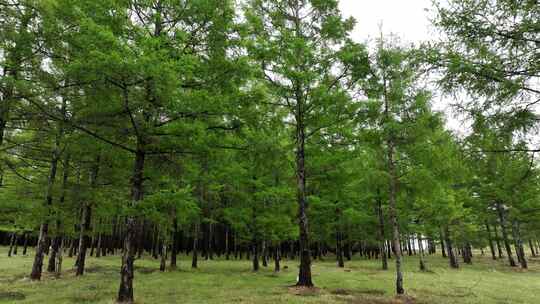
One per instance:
[(259, 129)]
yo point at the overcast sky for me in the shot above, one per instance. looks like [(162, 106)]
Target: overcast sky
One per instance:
[(406, 18), (409, 20)]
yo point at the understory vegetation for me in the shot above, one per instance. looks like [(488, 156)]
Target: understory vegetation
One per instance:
[(221, 281)]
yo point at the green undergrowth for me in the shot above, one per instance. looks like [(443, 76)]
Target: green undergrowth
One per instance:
[(221, 281)]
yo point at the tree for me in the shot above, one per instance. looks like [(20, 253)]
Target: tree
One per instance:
[(304, 53)]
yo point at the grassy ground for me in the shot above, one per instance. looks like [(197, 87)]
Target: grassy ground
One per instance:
[(219, 281)]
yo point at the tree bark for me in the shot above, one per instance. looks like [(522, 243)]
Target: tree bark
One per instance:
[(84, 238), (25, 243), (163, 256), (520, 252), (255, 251), (497, 241), (174, 244), (392, 210), (380, 216), (44, 228), (195, 245), (421, 250), (11, 244), (531, 247), (125, 291), (277, 258), (339, 249), (502, 220), (490, 240), (450, 251), (264, 254), (304, 275)]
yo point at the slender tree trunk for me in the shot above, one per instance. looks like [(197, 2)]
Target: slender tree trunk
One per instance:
[(174, 244), (466, 252), (210, 250), (264, 254), (59, 258), (84, 238), (520, 252), (443, 246), (531, 247), (25, 243), (392, 210), (384, 259), (55, 246), (497, 241), (125, 291), (277, 258), (255, 250), (58, 239), (98, 245), (339, 249), (502, 220), (451, 254), (44, 229), (227, 249), (163, 260), (195, 245), (11, 243), (421, 250), (490, 240), (304, 275)]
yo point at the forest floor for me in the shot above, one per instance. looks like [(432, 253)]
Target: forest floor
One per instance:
[(220, 281)]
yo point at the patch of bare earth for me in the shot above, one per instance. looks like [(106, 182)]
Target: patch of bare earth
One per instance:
[(356, 298), (304, 291)]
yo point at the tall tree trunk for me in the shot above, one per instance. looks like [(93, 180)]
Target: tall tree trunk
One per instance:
[(12, 243), (380, 216), (44, 228), (467, 254), (25, 243), (55, 246), (392, 210), (520, 252), (490, 240), (531, 247), (98, 245), (255, 251), (339, 249), (304, 275), (174, 244), (497, 241), (443, 245), (59, 258), (163, 260), (264, 256), (58, 240), (502, 219), (227, 249), (277, 258), (210, 248), (450, 251), (125, 291), (195, 245), (84, 238), (421, 250)]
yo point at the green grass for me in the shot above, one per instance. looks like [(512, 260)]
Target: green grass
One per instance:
[(220, 281)]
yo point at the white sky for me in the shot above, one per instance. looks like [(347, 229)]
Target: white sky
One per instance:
[(406, 18), (409, 20)]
